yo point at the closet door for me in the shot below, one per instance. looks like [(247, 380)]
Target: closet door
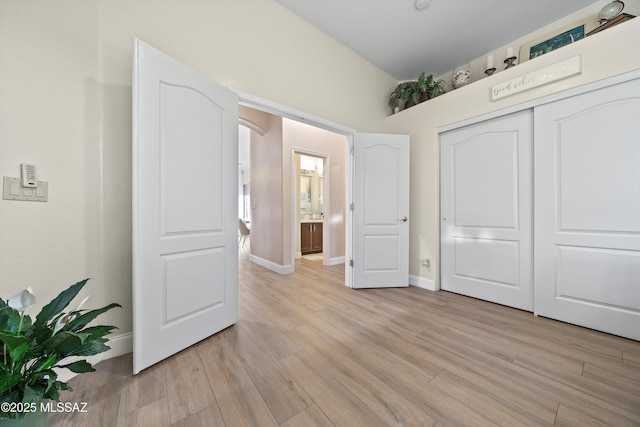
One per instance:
[(587, 210), (486, 196)]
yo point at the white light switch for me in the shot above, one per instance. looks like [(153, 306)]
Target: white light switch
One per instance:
[(13, 190)]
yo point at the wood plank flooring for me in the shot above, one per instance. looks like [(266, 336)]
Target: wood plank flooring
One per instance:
[(308, 351)]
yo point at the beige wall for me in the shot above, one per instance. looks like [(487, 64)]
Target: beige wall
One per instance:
[(65, 104), (266, 191), (271, 184), (608, 53)]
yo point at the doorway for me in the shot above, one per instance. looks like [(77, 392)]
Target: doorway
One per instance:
[(339, 174), (311, 195)]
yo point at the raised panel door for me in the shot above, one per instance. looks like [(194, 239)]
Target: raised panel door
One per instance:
[(486, 223)]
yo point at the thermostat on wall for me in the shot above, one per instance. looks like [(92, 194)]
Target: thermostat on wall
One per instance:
[(29, 175)]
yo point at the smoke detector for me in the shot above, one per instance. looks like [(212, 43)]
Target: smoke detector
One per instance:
[(422, 4)]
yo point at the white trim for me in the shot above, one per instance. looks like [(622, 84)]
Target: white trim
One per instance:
[(420, 282), (120, 344), (348, 224), (269, 265), (251, 125), (267, 106), (335, 261)]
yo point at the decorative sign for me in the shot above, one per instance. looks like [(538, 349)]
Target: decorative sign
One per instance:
[(546, 46), (537, 78)]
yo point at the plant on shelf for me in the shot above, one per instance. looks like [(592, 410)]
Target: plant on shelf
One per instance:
[(410, 93), (401, 94), (427, 85), (30, 351)]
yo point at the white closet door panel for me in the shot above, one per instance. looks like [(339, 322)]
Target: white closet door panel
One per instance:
[(582, 272), (598, 169), (486, 179), (486, 197), (587, 210), (488, 260)]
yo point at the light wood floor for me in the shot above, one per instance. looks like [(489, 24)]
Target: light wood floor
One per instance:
[(308, 351)]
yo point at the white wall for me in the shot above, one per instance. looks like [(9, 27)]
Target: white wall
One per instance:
[(608, 53)]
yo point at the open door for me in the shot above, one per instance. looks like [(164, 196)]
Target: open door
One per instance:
[(185, 221), (380, 207)]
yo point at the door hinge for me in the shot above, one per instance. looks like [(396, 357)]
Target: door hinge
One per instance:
[(350, 263), (352, 150), (351, 207)]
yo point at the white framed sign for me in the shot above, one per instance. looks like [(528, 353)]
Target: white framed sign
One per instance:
[(552, 73)]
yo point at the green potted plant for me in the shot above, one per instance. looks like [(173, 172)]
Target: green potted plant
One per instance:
[(410, 93), (401, 95), (30, 350), (429, 87)]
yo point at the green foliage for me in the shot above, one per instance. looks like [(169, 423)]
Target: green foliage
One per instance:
[(433, 88), (416, 91), (31, 351), (401, 94)]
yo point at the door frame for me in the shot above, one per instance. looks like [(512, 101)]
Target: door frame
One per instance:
[(267, 106), (326, 197)]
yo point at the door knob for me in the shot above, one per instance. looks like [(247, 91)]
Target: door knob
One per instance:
[(404, 219)]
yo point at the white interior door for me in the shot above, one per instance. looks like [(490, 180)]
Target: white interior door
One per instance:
[(587, 210), (185, 226), (381, 211), (486, 211)]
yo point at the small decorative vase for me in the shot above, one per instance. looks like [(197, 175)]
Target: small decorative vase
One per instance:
[(461, 78)]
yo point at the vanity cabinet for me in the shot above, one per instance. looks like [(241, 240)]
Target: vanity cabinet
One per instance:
[(310, 237)]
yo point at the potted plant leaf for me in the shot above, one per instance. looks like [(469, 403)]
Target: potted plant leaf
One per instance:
[(31, 350), (434, 87), (410, 93), (401, 95), (429, 87)]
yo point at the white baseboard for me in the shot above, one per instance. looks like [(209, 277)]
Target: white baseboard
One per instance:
[(280, 269), (422, 283), (120, 344), (335, 261)]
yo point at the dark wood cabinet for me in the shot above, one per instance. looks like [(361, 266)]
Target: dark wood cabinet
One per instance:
[(310, 237)]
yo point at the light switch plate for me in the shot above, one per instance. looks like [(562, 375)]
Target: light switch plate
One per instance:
[(13, 190)]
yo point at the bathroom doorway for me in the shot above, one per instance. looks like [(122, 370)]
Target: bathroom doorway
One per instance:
[(309, 214)]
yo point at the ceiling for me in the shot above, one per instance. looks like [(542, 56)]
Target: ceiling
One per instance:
[(404, 41)]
